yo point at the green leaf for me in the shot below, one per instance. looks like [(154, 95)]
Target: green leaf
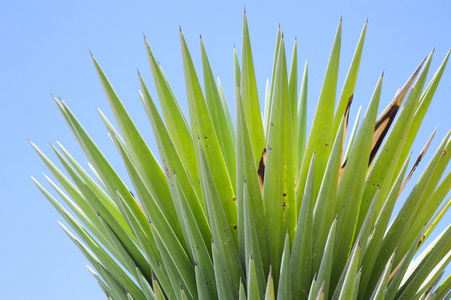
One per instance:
[(347, 289), (380, 227), (301, 125), (117, 290), (325, 268), (247, 175), (428, 204), (158, 292), (268, 100), (422, 108), (222, 236), (145, 286), (350, 188), (292, 94), (179, 273), (198, 248), (269, 293), (242, 295), (284, 290), (320, 138), (443, 289), (397, 276), (433, 259), (253, 282), (226, 109), (172, 164), (350, 82), (218, 116), (175, 120), (202, 286), (301, 255), (278, 188), (97, 251), (252, 249), (224, 287), (204, 132), (146, 164), (394, 237), (379, 292), (355, 293), (312, 293), (249, 94), (322, 216), (382, 170), (352, 136)]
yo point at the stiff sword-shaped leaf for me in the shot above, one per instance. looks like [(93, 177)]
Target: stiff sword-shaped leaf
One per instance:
[(226, 109), (301, 125), (179, 274), (346, 290), (218, 116), (292, 94), (145, 285), (175, 120), (202, 286), (284, 290), (320, 138), (323, 216), (379, 229), (382, 170), (247, 174), (252, 248), (422, 108), (172, 163), (350, 188), (301, 256), (395, 236), (249, 94), (225, 290), (438, 251), (325, 268), (198, 248), (350, 82), (312, 292), (379, 291), (143, 158), (270, 293), (205, 136), (278, 188), (253, 283), (222, 236)]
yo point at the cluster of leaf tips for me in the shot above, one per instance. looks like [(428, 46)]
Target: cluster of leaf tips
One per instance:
[(258, 210)]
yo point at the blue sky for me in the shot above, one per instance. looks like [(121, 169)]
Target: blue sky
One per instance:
[(44, 49)]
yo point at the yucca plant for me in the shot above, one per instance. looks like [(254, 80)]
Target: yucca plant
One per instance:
[(259, 209)]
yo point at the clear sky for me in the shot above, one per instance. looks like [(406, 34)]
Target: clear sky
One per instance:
[(44, 49)]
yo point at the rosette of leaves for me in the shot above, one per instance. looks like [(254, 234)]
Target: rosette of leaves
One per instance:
[(259, 209)]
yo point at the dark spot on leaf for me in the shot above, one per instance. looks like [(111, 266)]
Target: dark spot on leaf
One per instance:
[(235, 227), (205, 137), (326, 145), (443, 153), (233, 199), (269, 148), (272, 124), (284, 194)]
